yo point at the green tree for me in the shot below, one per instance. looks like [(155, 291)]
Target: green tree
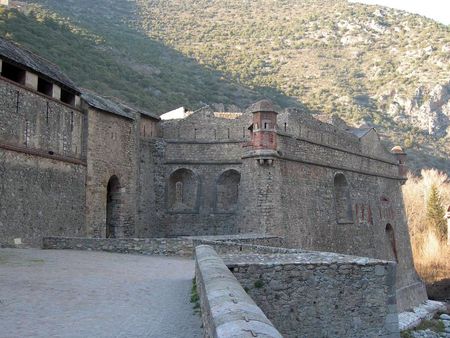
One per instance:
[(435, 212)]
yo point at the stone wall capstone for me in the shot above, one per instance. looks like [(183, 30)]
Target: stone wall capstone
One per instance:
[(227, 310), (175, 246)]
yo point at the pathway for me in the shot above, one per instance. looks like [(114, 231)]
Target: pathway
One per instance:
[(63, 293)]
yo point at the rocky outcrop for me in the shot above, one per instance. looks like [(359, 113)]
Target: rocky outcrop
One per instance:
[(428, 109)]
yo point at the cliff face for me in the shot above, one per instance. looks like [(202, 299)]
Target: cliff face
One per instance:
[(428, 109)]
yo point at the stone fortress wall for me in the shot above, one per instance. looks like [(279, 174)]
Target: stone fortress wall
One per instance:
[(75, 164), (353, 184), (321, 294), (303, 293), (111, 160), (42, 165), (203, 153)]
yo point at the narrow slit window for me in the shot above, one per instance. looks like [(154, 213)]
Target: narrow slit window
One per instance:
[(27, 133), (47, 113)]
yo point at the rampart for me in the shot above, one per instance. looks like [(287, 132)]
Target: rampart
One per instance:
[(314, 294), (227, 310), (42, 167), (176, 246)]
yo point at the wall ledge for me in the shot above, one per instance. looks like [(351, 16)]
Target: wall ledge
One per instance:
[(227, 310)]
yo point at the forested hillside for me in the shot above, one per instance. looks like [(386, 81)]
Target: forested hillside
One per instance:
[(369, 64)]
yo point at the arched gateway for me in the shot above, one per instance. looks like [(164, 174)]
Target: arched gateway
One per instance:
[(113, 207)]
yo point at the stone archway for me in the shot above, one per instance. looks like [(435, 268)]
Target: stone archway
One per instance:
[(113, 202)]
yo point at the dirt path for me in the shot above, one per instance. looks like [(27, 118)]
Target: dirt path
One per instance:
[(51, 293)]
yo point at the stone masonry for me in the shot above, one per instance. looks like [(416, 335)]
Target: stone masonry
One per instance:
[(314, 294), (75, 164)]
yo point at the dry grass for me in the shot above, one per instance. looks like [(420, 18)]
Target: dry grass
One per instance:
[(431, 254), (432, 258)]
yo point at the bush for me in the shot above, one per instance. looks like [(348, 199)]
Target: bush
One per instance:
[(436, 213)]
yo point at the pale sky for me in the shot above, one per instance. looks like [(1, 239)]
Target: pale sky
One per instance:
[(438, 10)]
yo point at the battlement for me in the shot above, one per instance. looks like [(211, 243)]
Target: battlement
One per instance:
[(206, 125)]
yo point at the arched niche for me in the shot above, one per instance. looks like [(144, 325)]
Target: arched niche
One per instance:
[(227, 191), (342, 199), (182, 192)]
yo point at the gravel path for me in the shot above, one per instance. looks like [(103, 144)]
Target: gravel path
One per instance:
[(54, 293)]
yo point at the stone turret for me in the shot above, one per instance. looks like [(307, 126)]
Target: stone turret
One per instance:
[(400, 155), (263, 143)]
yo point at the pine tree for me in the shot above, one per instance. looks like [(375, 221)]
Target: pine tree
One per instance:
[(436, 213)]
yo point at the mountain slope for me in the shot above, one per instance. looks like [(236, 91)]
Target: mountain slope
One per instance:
[(368, 64)]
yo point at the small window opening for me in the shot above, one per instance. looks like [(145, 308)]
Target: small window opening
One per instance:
[(71, 121), (45, 87), (228, 132), (13, 73), (195, 133), (67, 97), (265, 125), (285, 126)]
